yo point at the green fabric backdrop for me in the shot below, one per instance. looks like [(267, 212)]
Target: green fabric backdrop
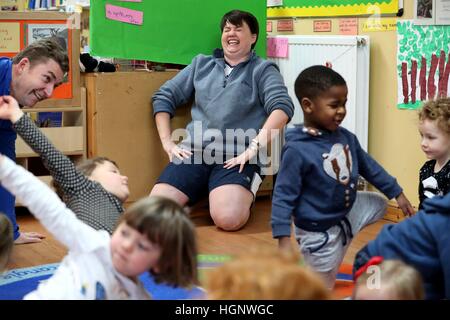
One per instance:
[(173, 31)]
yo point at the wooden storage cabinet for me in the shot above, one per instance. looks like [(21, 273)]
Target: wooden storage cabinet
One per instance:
[(120, 125), (70, 139)]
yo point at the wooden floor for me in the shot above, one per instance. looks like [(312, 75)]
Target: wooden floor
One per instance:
[(211, 240)]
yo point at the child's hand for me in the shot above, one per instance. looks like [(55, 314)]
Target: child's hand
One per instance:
[(284, 243), (29, 237), (9, 109), (405, 205)]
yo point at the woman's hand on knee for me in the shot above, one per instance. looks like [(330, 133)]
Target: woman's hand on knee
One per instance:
[(174, 150), (241, 159)]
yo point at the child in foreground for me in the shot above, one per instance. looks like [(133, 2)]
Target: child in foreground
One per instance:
[(422, 241), (388, 280), (265, 275), (154, 235)]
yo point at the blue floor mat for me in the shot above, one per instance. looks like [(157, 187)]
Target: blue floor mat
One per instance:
[(15, 284)]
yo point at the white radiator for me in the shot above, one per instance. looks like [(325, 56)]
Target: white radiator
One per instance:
[(349, 55)]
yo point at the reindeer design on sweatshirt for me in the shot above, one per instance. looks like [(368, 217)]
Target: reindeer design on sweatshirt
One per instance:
[(338, 163)]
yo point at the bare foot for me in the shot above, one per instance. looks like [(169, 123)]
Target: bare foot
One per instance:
[(29, 237)]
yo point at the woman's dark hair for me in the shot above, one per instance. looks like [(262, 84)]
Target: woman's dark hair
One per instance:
[(235, 17)]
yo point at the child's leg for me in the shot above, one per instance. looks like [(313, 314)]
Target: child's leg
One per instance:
[(323, 251), (369, 207)]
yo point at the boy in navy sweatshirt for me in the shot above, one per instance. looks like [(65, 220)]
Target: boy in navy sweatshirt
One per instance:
[(317, 181), (423, 242)]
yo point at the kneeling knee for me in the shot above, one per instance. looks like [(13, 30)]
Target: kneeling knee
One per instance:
[(229, 220)]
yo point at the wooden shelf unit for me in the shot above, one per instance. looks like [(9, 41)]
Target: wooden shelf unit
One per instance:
[(70, 139)]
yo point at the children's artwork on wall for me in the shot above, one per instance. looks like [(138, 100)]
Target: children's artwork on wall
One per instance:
[(9, 37), (423, 63), (424, 12), (41, 31), (274, 3), (442, 12), (328, 8)]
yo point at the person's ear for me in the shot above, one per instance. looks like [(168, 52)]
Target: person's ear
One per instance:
[(254, 36), (23, 65), (307, 105)]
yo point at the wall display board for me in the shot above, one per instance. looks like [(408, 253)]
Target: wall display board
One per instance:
[(329, 8), (169, 31)]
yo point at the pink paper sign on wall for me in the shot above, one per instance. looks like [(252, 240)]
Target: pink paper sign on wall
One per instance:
[(285, 25), (277, 47), (348, 26), (124, 14), (322, 25)]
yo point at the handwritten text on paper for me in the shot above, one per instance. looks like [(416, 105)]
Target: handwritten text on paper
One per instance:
[(124, 14)]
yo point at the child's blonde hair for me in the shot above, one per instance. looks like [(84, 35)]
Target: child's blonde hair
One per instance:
[(166, 224), (265, 274), (399, 279), (437, 110), (6, 240)]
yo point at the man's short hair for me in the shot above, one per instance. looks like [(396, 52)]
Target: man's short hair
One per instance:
[(43, 50)]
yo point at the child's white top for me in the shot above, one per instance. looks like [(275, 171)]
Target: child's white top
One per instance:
[(87, 271)]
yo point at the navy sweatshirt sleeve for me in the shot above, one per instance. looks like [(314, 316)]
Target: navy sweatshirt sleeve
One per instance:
[(375, 174), (423, 241), (286, 192)]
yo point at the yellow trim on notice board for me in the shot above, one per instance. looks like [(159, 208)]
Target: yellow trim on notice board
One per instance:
[(329, 11)]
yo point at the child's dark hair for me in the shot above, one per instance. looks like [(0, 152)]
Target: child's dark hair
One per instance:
[(236, 17), (315, 80), (437, 110), (6, 240), (86, 167), (166, 224)]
